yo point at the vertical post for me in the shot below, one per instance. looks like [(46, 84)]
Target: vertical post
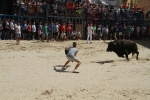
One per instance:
[(47, 13)]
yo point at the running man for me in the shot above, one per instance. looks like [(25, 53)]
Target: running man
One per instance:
[(72, 52)]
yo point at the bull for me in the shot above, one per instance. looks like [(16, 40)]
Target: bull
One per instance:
[(123, 47)]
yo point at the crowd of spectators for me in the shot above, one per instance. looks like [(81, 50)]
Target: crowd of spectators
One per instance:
[(119, 31), (65, 31), (71, 8), (31, 30)]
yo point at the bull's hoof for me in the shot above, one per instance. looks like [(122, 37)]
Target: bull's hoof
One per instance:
[(128, 59)]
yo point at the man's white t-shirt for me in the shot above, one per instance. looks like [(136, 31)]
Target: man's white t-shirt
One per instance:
[(19, 29), (12, 26), (33, 28), (90, 29), (57, 28)]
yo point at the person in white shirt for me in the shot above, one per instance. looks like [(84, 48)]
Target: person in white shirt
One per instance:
[(63, 36), (90, 31), (12, 29), (15, 25), (33, 30), (18, 36), (73, 35), (78, 34), (56, 31), (106, 32)]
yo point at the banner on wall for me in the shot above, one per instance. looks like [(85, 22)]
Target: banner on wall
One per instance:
[(105, 2)]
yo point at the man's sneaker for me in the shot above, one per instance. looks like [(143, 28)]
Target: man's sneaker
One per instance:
[(74, 71), (63, 68)]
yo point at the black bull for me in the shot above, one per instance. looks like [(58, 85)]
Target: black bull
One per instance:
[(123, 47)]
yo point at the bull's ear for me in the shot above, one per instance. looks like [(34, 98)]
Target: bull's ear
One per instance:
[(114, 43)]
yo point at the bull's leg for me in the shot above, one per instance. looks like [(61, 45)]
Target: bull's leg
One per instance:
[(126, 54), (133, 54), (137, 55)]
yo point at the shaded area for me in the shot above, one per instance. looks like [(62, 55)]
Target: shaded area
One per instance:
[(103, 62), (145, 43)]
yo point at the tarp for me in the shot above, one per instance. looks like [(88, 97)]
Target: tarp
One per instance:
[(104, 2)]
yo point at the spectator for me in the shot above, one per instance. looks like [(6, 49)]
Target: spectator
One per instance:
[(40, 30), (63, 36), (99, 32), (120, 29), (12, 29), (33, 30), (114, 32), (124, 31), (14, 7), (25, 8), (78, 35), (22, 7), (18, 36), (39, 7), (45, 32), (24, 28), (69, 29), (73, 35), (51, 30), (63, 28), (128, 32), (29, 28), (16, 26), (6, 30), (56, 31), (90, 31), (106, 33)]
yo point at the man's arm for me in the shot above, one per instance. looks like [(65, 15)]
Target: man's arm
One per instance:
[(66, 50), (75, 53)]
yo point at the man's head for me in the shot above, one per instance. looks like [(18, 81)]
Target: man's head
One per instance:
[(74, 44)]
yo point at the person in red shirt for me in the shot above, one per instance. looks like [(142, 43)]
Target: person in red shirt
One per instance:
[(63, 28), (63, 32), (29, 30), (68, 5), (125, 5), (69, 30), (72, 5)]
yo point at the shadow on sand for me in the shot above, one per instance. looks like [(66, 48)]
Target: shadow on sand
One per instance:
[(144, 43), (58, 68), (103, 62)]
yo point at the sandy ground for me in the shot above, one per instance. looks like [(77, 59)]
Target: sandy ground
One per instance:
[(32, 71)]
